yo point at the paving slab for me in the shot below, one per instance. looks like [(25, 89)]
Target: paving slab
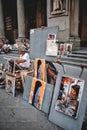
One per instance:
[(15, 114)]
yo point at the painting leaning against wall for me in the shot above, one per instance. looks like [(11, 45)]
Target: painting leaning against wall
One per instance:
[(37, 93), (69, 96)]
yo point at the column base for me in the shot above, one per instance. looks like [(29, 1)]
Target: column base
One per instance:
[(76, 43), (2, 37), (18, 40)]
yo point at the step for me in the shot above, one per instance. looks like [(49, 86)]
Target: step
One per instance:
[(74, 63), (78, 55), (82, 52), (74, 59), (9, 54)]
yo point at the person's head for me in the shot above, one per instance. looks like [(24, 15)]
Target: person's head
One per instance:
[(51, 37), (39, 62), (22, 49), (5, 48), (38, 84), (23, 40), (75, 91)]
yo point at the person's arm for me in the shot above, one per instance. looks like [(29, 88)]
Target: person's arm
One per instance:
[(18, 61)]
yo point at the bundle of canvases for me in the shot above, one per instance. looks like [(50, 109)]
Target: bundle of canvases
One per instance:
[(42, 70)]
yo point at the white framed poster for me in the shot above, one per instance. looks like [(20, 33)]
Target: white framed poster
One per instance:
[(51, 45), (51, 48)]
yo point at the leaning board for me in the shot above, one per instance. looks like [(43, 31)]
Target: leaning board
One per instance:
[(38, 39), (60, 119), (47, 95)]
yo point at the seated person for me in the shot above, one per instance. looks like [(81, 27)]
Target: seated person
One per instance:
[(6, 46), (25, 43), (21, 64), (24, 61)]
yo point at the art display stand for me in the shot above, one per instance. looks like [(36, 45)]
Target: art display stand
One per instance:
[(38, 51), (38, 44)]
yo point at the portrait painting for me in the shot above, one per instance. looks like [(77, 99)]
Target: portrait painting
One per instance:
[(69, 47), (69, 96), (37, 93), (62, 48), (39, 69), (10, 83)]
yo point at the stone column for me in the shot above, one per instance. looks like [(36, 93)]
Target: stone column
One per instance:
[(74, 18), (74, 24), (2, 31), (21, 19)]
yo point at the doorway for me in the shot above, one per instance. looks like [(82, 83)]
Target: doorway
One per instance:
[(35, 17), (35, 14), (83, 23)]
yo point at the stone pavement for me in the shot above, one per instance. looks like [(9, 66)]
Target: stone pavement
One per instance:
[(17, 114)]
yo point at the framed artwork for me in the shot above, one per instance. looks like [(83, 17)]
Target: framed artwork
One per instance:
[(62, 48), (37, 93), (51, 72), (69, 47), (39, 69), (10, 83), (59, 7), (69, 96), (51, 45)]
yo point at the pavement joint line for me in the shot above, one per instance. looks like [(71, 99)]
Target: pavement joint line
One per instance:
[(4, 107), (17, 121)]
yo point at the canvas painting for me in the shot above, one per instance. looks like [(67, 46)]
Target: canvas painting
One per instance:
[(69, 47), (10, 83), (37, 93), (62, 48), (39, 69), (69, 96)]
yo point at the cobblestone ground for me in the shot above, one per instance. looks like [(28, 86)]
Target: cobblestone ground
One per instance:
[(17, 114)]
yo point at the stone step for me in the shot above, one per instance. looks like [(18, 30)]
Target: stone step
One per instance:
[(15, 51), (74, 59), (74, 63), (82, 52), (6, 56), (78, 55)]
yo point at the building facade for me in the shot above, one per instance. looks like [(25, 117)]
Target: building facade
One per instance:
[(17, 17), (71, 19)]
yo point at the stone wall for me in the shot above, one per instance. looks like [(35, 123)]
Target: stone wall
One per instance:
[(65, 24)]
